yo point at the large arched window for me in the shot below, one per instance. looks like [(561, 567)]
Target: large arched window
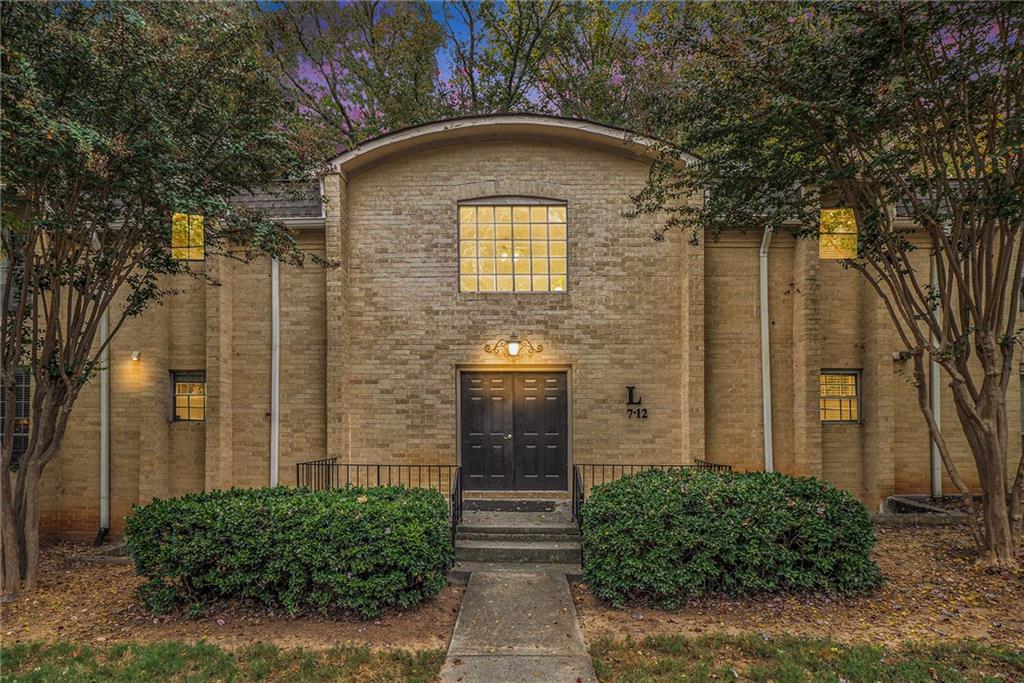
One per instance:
[(508, 245)]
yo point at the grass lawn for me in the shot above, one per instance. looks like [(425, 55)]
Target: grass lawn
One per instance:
[(789, 658), (170, 661)]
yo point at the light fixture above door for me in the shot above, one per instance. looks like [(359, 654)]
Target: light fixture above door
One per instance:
[(513, 346)]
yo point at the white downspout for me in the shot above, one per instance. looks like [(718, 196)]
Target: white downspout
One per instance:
[(275, 367), (104, 426), (104, 333), (936, 400), (766, 362)]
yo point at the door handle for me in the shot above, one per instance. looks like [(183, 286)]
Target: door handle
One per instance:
[(508, 437)]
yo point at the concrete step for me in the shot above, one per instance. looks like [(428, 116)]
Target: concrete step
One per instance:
[(496, 535), (555, 528), (524, 521), (560, 552), (460, 572), (559, 496), (514, 504)]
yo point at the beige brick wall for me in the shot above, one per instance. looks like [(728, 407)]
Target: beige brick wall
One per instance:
[(370, 350), (409, 328)]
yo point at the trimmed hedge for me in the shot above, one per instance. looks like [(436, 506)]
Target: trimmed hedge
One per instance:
[(663, 537), (347, 550)]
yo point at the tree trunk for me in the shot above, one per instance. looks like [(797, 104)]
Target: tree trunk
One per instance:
[(1000, 550), (21, 510), (10, 566), (28, 528), (984, 423)]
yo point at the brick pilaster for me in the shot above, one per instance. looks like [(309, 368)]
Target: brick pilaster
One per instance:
[(219, 329), (807, 339), (692, 342), (154, 451), (878, 383), (336, 241)]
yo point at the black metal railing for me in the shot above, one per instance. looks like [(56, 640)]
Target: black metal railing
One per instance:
[(320, 475), (588, 475), (577, 495), (585, 476), (455, 502)]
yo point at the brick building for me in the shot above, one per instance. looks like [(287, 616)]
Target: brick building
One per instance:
[(452, 238)]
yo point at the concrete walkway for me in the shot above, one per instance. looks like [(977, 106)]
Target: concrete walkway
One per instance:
[(517, 623)]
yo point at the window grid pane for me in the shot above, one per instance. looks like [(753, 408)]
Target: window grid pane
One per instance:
[(22, 421), (839, 399), (188, 237), (837, 234), (506, 248), (189, 396)]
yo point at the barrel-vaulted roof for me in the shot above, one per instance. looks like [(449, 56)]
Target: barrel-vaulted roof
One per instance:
[(399, 143)]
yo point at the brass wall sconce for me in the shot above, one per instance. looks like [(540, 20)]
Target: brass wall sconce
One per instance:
[(513, 346)]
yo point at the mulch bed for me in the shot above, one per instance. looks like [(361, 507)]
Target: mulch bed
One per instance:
[(933, 591), (78, 600)]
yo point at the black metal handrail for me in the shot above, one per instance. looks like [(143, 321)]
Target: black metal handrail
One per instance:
[(455, 502), (577, 494), (328, 473), (577, 504)]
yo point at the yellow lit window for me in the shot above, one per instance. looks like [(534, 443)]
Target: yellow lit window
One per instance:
[(189, 396), (187, 237), (837, 234), (504, 248), (839, 396)]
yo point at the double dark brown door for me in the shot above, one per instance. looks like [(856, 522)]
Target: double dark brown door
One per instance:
[(514, 429)]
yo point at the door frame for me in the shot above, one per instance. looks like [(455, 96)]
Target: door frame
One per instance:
[(516, 367)]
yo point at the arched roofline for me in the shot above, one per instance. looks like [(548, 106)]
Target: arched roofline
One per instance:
[(537, 127)]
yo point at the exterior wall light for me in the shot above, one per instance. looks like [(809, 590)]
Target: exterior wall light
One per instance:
[(136, 355), (512, 346)]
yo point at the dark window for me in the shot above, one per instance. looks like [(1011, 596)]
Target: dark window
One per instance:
[(189, 389), (22, 391), (840, 396)]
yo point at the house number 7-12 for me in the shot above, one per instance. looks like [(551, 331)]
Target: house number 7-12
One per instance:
[(633, 400)]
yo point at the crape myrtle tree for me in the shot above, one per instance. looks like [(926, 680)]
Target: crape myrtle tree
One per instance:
[(498, 52), (114, 116), (869, 106), (355, 69)]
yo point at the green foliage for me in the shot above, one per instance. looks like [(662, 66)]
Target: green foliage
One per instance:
[(359, 69), (118, 114), (755, 657), (348, 550), (667, 536), (355, 69), (870, 103), (171, 661)]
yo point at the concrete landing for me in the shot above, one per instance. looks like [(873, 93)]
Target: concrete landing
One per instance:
[(517, 626)]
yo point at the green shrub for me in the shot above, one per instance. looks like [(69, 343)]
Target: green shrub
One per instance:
[(348, 550), (663, 537)]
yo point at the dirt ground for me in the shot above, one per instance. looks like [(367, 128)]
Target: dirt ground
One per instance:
[(932, 592), (86, 602)]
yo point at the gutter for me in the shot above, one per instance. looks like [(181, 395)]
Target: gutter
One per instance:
[(766, 362), (275, 367)]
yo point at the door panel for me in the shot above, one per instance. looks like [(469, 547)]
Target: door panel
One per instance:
[(541, 431), (515, 430), (487, 404)]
